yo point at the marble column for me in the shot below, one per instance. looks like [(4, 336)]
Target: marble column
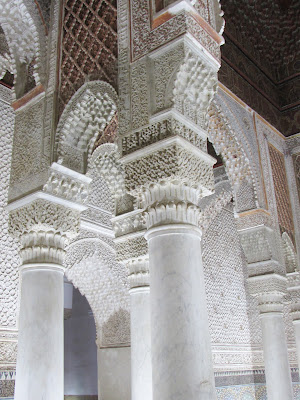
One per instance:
[(269, 291), (181, 349), (40, 355), (165, 94), (294, 291), (296, 323), (43, 229), (141, 367)]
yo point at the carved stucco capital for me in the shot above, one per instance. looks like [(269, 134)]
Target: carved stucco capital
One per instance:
[(269, 290), (43, 228), (138, 272)]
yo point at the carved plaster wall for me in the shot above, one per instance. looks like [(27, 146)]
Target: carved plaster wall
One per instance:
[(9, 259), (30, 156)]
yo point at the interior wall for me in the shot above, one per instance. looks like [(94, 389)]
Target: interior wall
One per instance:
[(114, 373), (80, 351)]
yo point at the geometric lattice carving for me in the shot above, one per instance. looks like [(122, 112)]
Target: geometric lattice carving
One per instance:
[(224, 280), (89, 45), (284, 209)]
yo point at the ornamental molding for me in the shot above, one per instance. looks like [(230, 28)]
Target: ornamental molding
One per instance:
[(46, 197), (67, 184), (253, 218), (87, 114), (164, 124), (8, 353), (170, 160), (129, 223), (9, 375), (199, 21)]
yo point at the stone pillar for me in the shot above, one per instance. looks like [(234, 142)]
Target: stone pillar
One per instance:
[(180, 340), (167, 81), (132, 251), (269, 291), (141, 367), (294, 291), (43, 228), (268, 284), (182, 360)]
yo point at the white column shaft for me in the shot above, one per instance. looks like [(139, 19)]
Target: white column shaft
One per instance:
[(141, 368), (296, 324), (181, 348), (40, 369), (278, 374)]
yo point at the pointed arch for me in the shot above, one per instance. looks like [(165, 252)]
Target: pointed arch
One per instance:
[(92, 268), (87, 114), (26, 40)]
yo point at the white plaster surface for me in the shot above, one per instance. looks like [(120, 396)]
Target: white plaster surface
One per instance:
[(40, 346), (181, 349), (114, 373), (278, 376), (141, 367)]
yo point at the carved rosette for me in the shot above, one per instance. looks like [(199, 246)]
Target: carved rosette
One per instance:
[(269, 290), (44, 229)]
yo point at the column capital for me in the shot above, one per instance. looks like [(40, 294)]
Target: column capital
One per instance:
[(43, 228), (269, 290), (138, 272)]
